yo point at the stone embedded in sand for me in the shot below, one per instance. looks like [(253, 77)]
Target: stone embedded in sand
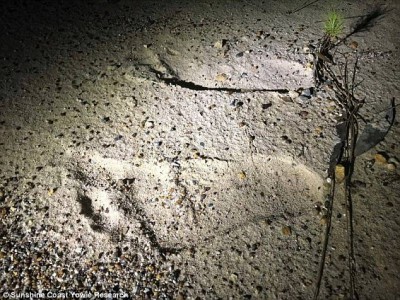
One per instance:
[(286, 230), (51, 191), (221, 77), (380, 159), (242, 175), (331, 108), (317, 211), (327, 184), (149, 124), (3, 212), (353, 45), (293, 94), (318, 130), (323, 220), (391, 167), (392, 164), (306, 49), (286, 99), (303, 114), (266, 105), (180, 297), (340, 173), (220, 44), (233, 278)]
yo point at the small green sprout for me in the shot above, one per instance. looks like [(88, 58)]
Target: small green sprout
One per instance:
[(333, 25)]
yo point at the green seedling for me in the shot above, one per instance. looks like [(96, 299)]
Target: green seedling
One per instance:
[(333, 25)]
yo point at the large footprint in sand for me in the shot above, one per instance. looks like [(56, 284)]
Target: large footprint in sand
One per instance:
[(190, 201)]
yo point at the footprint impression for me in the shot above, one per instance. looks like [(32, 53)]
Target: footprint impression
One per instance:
[(188, 202)]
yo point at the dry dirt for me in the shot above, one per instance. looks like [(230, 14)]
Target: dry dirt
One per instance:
[(171, 150)]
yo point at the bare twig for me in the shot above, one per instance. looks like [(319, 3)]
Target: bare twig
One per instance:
[(302, 7), (330, 198), (344, 91)]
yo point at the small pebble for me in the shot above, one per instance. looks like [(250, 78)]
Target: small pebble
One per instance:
[(286, 230), (233, 278), (391, 167), (240, 54), (220, 44), (340, 173), (3, 212), (303, 114), (317, 210), (221, 77), (318, 130), (304, 98), (380, 159), (327, 184), (266, 105), (293, 94), (105, 119), (331, 109), (323, 220), (307, 93), (353, 45), (51, 191), (286, 99), (149, 124), (180, 297), (306, 49)]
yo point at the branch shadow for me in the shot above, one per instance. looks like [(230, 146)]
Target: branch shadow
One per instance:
[(366, 22)]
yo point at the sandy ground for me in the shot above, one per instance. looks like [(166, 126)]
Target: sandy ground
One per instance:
[(172, 150)]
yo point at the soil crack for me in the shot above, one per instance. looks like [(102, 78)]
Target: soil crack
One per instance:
[(196, 87)]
